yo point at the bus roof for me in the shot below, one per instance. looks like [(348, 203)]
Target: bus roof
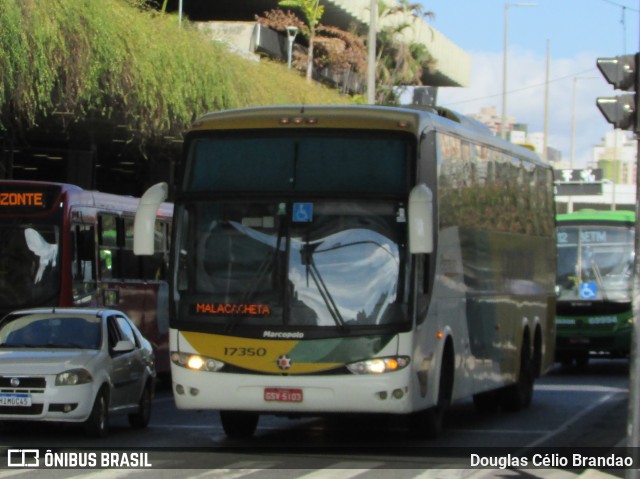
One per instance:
[(76, 196), (622, 216), (411, 119)]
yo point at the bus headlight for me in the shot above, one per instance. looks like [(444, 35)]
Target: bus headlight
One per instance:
[(196, 362), (379, 365)]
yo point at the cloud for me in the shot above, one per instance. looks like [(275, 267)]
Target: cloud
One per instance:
[(526, 96)]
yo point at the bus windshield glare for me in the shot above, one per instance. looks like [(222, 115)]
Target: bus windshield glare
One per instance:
[(595, 263), (29, 265), (289, 256), (275, 263)]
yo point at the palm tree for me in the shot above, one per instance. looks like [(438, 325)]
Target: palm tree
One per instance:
[(399, 62), (313, 12)]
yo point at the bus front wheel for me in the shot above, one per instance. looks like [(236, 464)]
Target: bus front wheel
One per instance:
[(239, 425), (429, 423)]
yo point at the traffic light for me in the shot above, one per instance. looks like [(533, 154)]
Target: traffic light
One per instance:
[(623, 73)]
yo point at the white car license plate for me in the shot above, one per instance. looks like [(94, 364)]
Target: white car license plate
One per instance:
[(283, 395), (23, 400)]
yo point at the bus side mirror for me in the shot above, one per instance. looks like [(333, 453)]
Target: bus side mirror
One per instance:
[(145, 221), (420, 219)]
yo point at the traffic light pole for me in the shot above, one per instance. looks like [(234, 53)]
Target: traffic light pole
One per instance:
[(633, 425), (633, 440), (623, 72), (633, 428)]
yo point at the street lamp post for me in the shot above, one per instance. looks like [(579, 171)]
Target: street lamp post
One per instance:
[(573, 118), (573, 131), (503, 126), (291, 36), (371, 53)]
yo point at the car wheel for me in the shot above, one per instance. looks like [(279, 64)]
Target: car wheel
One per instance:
[(97, 425), (142, 417)]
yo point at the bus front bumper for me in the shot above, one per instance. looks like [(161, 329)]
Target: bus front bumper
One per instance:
[(386, 393)]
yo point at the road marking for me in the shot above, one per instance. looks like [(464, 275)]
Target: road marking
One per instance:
[(100, 474), (15, 472), (581, 388), (500, 431), (570, 421), (238, 469), (342, 470), (449, 474)]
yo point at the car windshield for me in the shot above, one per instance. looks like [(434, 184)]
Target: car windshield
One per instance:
[(51, 331)]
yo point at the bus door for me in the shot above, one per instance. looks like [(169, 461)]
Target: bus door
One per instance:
[(83, 264)]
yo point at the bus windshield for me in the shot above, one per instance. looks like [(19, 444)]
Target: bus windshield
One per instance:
[(29, 264), (595, 263), (319, 263)]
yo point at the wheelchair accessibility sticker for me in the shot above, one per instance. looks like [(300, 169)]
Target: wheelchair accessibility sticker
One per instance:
[(302, 212), (588, 290)]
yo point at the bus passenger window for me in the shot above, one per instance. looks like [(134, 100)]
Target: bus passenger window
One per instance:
[(108, 254), (130, 262)]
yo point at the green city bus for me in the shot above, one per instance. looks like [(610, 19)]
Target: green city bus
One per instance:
[(595, 281)]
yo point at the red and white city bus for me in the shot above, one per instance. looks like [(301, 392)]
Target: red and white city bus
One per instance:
[(65, 246)]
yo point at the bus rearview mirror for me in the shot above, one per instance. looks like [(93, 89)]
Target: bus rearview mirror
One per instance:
[(420, 219), (144, 224)]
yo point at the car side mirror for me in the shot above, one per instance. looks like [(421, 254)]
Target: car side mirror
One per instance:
[(123, 346)]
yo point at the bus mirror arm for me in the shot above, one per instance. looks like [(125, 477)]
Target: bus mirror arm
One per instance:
[(420, 220), (144, 224)]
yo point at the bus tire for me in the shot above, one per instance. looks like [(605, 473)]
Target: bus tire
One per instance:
[(486, 402), (518, 396), (582, 360), (429, 423), (239, 425), (97, 424)]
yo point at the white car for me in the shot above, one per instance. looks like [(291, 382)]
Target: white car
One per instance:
[(75, 365)]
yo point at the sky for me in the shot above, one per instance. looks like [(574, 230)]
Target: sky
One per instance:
[(575, 32)]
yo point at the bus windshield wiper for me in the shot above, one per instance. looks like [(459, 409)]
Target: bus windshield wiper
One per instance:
[(264, 267), (306, 253), (600, 281)]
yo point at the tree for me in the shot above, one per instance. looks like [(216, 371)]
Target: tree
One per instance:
[(342, 55), (313, 12), (399, 62)]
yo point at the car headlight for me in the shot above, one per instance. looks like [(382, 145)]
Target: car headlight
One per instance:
[(73, 377), (196, 362), (379, 365)]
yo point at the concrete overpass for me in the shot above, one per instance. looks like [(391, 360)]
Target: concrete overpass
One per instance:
[(453, 65)]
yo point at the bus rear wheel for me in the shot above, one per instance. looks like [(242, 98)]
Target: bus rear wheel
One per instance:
[(239, 425), (518, 396)]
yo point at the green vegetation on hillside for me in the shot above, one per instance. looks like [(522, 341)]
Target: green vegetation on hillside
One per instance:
[(109, 59)]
